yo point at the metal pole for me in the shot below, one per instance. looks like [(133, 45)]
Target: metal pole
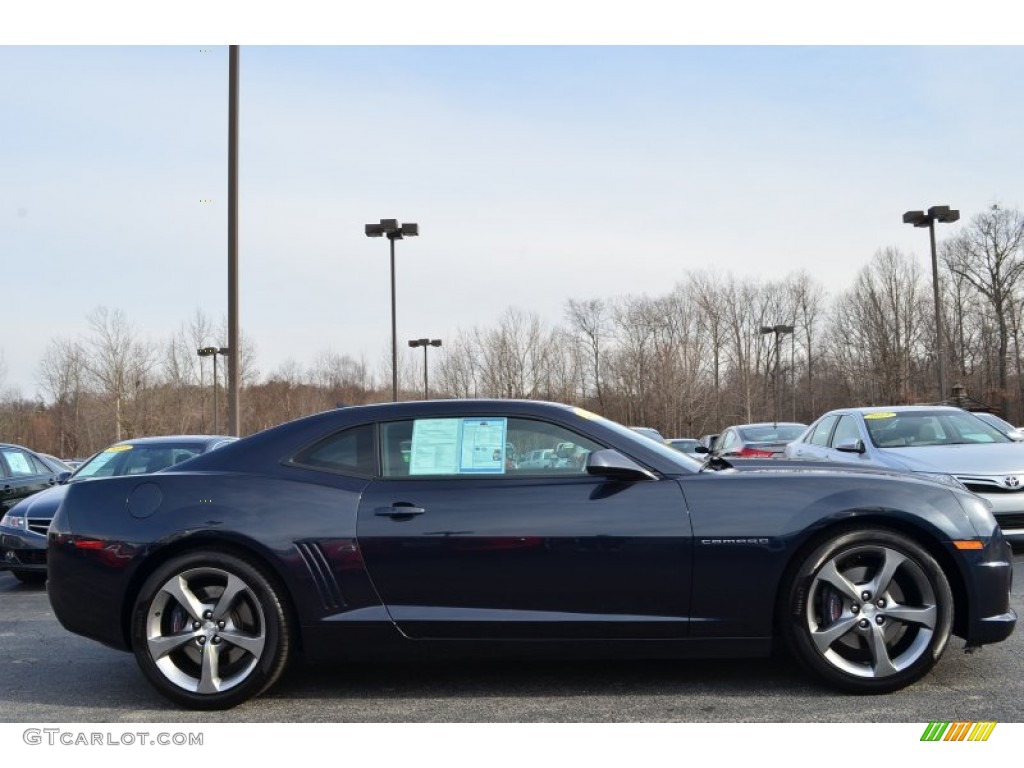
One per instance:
[(777, 375), (939, 355), (233, 331), (394, 328), (426, 391), (215, 394)]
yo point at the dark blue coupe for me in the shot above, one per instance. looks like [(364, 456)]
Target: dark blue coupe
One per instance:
[(418, 526)]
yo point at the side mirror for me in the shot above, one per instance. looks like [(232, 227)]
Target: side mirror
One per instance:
[(62, 477), (613, 465), (853, 445), (701, 449)]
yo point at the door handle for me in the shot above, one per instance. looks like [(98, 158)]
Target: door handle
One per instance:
[(397, 511)]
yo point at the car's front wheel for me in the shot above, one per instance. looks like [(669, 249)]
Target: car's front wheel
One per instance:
[(869, 611), (210, 630)]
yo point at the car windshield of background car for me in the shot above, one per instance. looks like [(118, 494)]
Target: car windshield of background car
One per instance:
[(772, 432), (930, 428)]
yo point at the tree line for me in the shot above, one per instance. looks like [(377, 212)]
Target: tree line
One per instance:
[(717, 349)]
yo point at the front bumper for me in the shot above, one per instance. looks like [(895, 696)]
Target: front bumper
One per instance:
[(22, 551), (988, 579)]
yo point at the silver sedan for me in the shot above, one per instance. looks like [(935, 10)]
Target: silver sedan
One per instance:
[(934, 440)]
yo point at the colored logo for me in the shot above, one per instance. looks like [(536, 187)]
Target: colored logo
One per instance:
[(958, 731)]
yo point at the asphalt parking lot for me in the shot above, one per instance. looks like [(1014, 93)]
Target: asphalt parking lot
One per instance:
[(49, 675)]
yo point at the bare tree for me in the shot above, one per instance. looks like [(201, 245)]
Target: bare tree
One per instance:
[(988, 254), (117, 362)]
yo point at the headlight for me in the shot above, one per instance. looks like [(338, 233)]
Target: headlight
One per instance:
[(979, 512), (18, 522), (945, 479)]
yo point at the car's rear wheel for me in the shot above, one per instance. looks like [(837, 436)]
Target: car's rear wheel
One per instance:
[(210, 630), (869, 611)]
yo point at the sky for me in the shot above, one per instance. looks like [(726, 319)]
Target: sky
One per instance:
[(538, 171)]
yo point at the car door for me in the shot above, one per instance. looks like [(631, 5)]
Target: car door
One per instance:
[(477, 547), (815, 442), (23, 474)]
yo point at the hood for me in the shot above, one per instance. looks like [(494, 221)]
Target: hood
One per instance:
[(991, 459), (42, 505)]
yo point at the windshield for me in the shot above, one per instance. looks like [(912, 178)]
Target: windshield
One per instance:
[(136, 459), (927, 428)]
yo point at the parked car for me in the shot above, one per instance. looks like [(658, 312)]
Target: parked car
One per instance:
[(24, 472), (1014, 433), (708, 441), (317, 535), (933, 440), (688, 445), (650, 432), (756, 441), (23, 528), (58, 465)]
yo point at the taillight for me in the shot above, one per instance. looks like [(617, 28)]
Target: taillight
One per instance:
[(754, 453)]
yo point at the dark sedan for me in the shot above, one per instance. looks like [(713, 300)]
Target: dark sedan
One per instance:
[(23, 473), (23, 527), (403, 528)]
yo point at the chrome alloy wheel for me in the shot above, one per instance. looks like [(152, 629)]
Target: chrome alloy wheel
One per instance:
[(205, 630), (871, 611), (868, 610)]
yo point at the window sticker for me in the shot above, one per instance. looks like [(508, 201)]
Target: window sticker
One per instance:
[(118, 448), (18, 463), (434, 449), (483, 445), (885, 415), (458, 446)]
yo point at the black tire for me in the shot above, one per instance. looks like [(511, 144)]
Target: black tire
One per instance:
[(867, 611), (29, 577), (200, 649)]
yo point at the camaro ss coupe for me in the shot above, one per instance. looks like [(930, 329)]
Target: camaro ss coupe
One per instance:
[(410, 527)]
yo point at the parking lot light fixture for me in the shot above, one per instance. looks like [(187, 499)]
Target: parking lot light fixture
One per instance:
[(943, 214), (389, 228), (214, 352), (425, 343), (779, 330)]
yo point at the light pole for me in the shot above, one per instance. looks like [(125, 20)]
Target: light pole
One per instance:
[(921, 219), (425, 343), (778, 330), (213, 352), (394, 232)]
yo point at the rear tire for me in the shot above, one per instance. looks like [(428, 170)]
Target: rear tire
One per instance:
[(867, 611), (209, 630)]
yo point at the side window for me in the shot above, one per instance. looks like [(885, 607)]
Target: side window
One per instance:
[(846, 430), (20, 463), (724, 443), (349, 452), (481, 446), (821, 431)]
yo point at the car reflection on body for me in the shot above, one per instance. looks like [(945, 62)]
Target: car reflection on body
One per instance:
[(23, 528), (932, 440), (319, 535)]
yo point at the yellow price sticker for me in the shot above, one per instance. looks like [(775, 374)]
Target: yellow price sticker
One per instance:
[(118, 448), (883, 415)]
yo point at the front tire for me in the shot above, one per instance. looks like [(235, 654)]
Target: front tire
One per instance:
[(209, 630), (868, 611)]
